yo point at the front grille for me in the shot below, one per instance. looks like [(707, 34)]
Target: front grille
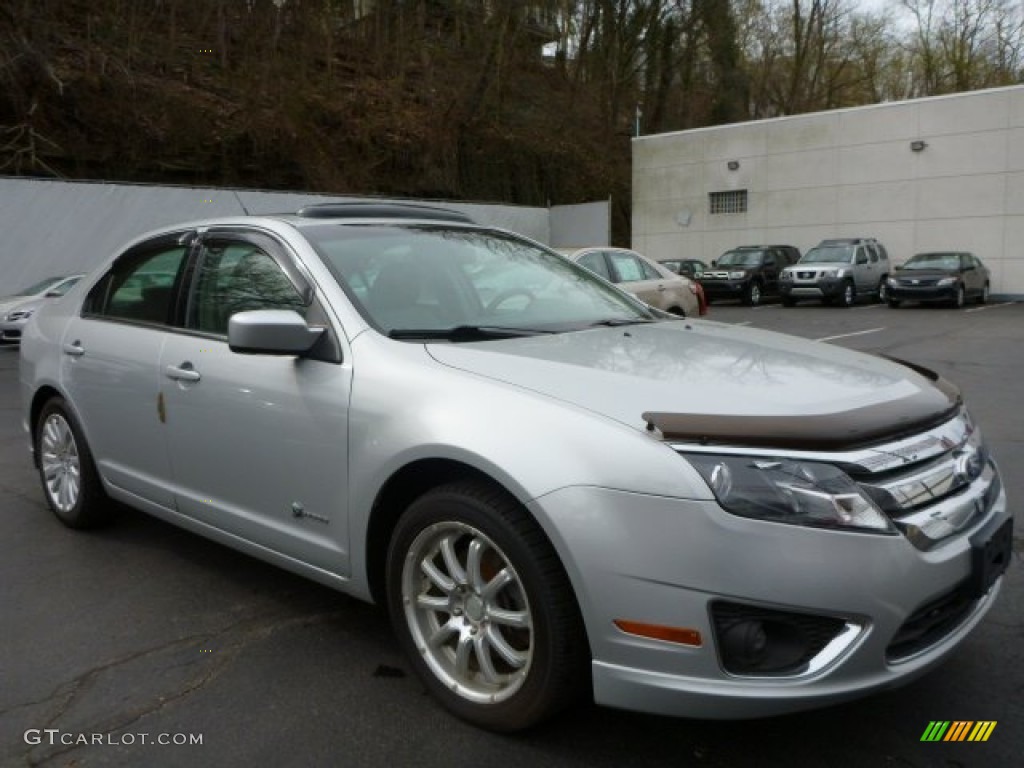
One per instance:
[(930, 623), (805, 275), (915, 282)]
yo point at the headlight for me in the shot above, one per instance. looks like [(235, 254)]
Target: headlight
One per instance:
[(892, 281), (834, 273), (786, 276), (20, 314), (946, 281), (789, 491), (737, 275)]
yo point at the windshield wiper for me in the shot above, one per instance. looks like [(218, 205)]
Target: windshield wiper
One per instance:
[(615, 322), (466, 333)]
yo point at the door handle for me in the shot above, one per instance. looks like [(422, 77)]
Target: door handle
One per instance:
[(74, 349), (183, 372)]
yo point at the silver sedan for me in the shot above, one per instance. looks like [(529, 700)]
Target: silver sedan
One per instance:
[(551, 489)]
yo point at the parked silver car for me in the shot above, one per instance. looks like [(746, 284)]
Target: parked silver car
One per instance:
[(14, 318), (544, 483)]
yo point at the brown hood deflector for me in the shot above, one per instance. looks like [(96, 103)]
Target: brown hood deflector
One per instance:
[(842, 431)]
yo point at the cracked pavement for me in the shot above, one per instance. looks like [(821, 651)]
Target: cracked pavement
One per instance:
[(142, 628)]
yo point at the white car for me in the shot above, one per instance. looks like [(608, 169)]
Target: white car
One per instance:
[(13, 316)]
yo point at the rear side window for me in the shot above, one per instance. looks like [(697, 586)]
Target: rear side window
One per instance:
[(139, 287), (596, 264), (627, 267)]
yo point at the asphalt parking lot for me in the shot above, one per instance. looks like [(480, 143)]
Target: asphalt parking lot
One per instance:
[(143, 633)]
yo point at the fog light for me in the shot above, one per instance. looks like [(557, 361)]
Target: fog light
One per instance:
[(762, 642), (746, 642)]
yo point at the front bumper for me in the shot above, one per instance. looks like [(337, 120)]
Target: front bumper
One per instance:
[(666, 562), (825, 288), (922, 293), (725, 289)]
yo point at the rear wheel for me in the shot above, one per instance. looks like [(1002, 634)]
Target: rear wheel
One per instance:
[(483, 608), (70, 482)]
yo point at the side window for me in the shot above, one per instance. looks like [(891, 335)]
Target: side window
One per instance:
[(872, 254), (769, 259), (862, 257), (626, 266), (139, 287), (236, 277), (595, 263), (650, 273)]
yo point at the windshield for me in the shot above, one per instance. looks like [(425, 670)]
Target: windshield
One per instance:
[(441, 278), (64, 287), (39, 287), (740, 259), (829, 254), (933, 261)]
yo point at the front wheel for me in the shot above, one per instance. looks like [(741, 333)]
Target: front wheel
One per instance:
[(849, 295), (70, 482), (983, 298), (483, 608), (959, 297), (752, 296), (883, 291)]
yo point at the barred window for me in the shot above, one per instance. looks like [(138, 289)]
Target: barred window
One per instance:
[(733, 201)]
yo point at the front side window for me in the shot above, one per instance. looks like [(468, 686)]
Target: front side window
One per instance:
[(410, 277), (139, 287), (236, 277)]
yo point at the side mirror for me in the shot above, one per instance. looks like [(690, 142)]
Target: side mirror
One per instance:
[(714, 262), (271, 332)]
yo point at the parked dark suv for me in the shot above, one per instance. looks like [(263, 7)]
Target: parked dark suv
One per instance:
[(748, 273), (838, 271)]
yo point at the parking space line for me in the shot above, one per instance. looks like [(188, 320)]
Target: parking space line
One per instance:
[(845, 335), (872, 306), (745, 322), (991, 306), (765, 306)]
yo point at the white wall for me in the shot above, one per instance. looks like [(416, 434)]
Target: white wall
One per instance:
[(58, 227), (846, 173)]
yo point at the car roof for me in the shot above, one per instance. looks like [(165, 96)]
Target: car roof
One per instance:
[(376, 210)]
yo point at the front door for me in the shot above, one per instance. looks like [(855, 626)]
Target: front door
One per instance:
[(258, 443)]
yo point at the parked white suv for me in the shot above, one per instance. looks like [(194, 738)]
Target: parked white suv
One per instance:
[(837, 271)]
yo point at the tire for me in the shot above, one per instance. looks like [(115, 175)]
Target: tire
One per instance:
[(959, 297), (894, 303), (752, 295), (983, 297), (849, 295), (71, 484), (503, 675), (883, 290)]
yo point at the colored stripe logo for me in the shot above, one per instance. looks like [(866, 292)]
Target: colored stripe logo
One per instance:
[(959, 730)]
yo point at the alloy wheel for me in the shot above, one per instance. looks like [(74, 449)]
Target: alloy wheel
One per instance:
[(60, 463), (467, 612)]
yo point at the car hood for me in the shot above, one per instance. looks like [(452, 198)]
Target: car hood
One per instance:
[(925, 274), (713, 382), (21, 303)]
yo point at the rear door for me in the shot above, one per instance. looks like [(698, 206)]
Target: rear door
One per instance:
[(109, 365), (630, 271)]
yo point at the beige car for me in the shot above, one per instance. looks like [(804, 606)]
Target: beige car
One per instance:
[(648, 280)]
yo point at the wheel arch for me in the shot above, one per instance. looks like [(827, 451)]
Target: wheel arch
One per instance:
[(42, 396), (404, 486)]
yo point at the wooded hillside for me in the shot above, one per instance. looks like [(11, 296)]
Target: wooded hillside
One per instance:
[(512, 101)]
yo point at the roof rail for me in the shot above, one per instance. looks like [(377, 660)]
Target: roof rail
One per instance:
[(373, 210)]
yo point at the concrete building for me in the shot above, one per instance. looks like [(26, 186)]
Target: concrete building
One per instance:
[(942, 173)]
